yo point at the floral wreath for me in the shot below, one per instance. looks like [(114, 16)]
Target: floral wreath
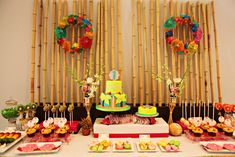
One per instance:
[(85, 41), (177, 45)]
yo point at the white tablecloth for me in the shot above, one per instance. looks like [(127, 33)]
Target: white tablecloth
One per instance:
[(78, 147)]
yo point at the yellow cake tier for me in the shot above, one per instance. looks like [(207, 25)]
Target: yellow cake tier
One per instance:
[(113, 87), (147, 110)]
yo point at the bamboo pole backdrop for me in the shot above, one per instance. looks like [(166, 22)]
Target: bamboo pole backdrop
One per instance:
[(159, 64), (146, 71), (97, 56), (53, 54), (153, 50), (45, 23), (39, 51), (149, 52), (33, 51), (134, 84), (79, 57)]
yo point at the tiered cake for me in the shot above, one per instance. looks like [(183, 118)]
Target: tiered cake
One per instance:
[(113, 100)]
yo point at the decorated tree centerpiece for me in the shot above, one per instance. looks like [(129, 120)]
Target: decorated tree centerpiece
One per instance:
[(189, 48)]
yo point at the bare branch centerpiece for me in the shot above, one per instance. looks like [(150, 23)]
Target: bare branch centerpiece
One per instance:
[(188, 48)]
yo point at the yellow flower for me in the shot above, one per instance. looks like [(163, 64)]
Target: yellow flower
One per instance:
[(192, 47), (62, 24)]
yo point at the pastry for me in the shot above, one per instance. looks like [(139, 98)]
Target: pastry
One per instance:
[(212, 131), (191, 127), (197, 132), (46, 132), (220, 127), (52, 127), (205, 127), (31, 132), (228, 131), (61, 132)]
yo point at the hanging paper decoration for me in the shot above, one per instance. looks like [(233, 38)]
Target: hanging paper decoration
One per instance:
[(177, 45), (85, 41)]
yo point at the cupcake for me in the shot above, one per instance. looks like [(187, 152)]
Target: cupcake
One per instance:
[(36, 126), (220, 127), (228, 131), (52, 127), (46, 132), (212, 131), (197, 132), (205, 127), (61, 132), (31, 132), (191, 127)]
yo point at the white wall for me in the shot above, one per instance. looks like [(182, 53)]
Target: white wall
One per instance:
[(15, 43)]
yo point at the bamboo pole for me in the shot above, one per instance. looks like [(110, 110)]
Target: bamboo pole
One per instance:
[(165, 52), (53, 53), (79, 57), (208, 12), (172, 53), (178, 57), (112, 35), (85, 52), (45, 52), (72, 55), (195, 60), (146, 71), (39, 51), (102, 43), (140, 52), (190, 61), (133, 54), (33, 51), (216, 52), (205, 51), (58, 57), (153, 51), (183, 11), (97, 62), (91, 59), (106, 48), (119, 38), (159, 66), (65, 64), (200, 57)]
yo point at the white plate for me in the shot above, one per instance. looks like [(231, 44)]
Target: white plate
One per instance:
[(163, 150), (23, 134), (123, 150), (39, 144), (221, 143), (140, 150), (102, 151)]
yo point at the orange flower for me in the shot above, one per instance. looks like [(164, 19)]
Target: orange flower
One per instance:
[(228, 107), (219, 106), (89, 35), (66, 46), (177, 45)]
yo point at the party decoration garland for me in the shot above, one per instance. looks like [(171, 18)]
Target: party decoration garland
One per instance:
[(177, 45), (85, 41)]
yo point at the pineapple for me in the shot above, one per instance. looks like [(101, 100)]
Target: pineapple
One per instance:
[(86, 128)]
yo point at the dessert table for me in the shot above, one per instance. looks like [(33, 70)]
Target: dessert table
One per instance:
[(78, 146)]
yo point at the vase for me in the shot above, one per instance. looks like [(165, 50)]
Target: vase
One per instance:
[(87, 105), (172, 105)]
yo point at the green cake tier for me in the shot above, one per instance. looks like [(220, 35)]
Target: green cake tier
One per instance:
[(113, 109)]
